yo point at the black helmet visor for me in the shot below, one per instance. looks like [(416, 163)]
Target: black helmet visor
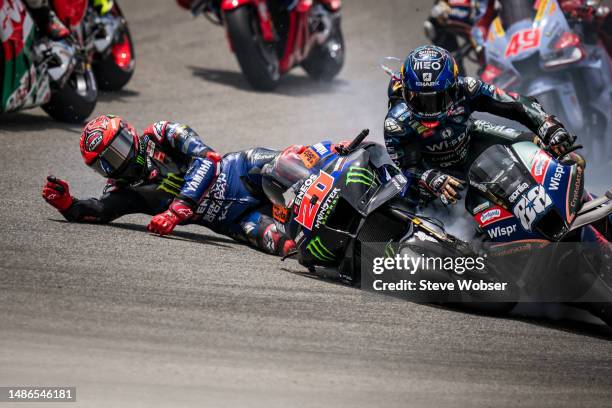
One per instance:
[(117, 155), (430, 103)]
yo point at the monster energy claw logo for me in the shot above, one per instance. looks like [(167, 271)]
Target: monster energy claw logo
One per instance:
[(171, 184), (359, 175), (319, 251)]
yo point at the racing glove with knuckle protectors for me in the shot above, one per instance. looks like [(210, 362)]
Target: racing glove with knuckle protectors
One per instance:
[(555, 136), (57, 193), (441, 185), (164, 223)]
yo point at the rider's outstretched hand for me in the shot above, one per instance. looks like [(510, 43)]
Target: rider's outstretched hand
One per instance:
[(441, 185), (164, 223), (57, 193)]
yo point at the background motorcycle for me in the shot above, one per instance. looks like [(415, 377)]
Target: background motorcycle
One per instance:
[(269, 40), (521, 196), (58, 75), (113, 59), (535, 52)]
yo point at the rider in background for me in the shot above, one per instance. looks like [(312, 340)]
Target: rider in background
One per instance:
[(170, 173), (429, 132), (468, 19)]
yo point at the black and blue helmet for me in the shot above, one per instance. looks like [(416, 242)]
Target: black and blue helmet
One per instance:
[(429, 82)]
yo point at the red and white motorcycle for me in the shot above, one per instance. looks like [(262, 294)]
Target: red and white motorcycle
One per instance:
[(270, 37), (63, 76)]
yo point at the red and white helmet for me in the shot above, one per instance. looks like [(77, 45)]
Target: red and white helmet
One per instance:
[(110, 146)]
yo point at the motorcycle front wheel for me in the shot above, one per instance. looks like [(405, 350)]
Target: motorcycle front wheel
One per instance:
[(257, 59), (325, 61), (75, 101)]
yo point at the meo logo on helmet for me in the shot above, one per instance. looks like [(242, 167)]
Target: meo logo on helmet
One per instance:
[(435, 65)]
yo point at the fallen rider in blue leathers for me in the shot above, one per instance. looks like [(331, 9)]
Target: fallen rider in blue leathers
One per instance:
[(170, 173)]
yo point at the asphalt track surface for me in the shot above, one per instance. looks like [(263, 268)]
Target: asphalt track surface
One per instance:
[(135, 320)]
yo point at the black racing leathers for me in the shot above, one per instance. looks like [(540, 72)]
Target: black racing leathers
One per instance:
[(450, 145), (174, 163)]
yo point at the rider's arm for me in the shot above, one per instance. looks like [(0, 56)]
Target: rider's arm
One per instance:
[(526, 110), (184, 143), (114, 203), (404, 149), (178, 138)]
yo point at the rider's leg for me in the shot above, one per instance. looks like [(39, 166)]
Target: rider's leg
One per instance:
[(264, 233), (46, 19)]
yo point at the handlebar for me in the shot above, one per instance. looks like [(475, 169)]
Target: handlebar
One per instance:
[(344, 151), (360, 138), (548, 150)]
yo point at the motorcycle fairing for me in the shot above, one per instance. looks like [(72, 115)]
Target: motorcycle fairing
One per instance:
[(350, 189), (563, 183), (297, 47), (525, 192), (70, 12), (523, 39), (22, 84)]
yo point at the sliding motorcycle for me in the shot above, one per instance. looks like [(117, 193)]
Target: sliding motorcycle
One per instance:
[(342, 206), (63, 76), (270, 37), (532, 49), (533, 206)]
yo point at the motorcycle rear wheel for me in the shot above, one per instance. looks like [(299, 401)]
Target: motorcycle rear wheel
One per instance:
[(76, 100), (325, 61), (258, 60), (115, 69)]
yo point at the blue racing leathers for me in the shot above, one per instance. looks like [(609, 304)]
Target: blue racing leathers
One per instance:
[(224, 193)]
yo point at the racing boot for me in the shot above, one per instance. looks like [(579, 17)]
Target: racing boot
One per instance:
[(54, 28), (49, 23)]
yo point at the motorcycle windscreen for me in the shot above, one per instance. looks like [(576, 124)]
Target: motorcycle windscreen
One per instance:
[(280, 176), (499, 172)]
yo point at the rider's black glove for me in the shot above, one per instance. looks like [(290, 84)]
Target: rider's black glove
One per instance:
[(441, 185), (561, 141), (556, 137)]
